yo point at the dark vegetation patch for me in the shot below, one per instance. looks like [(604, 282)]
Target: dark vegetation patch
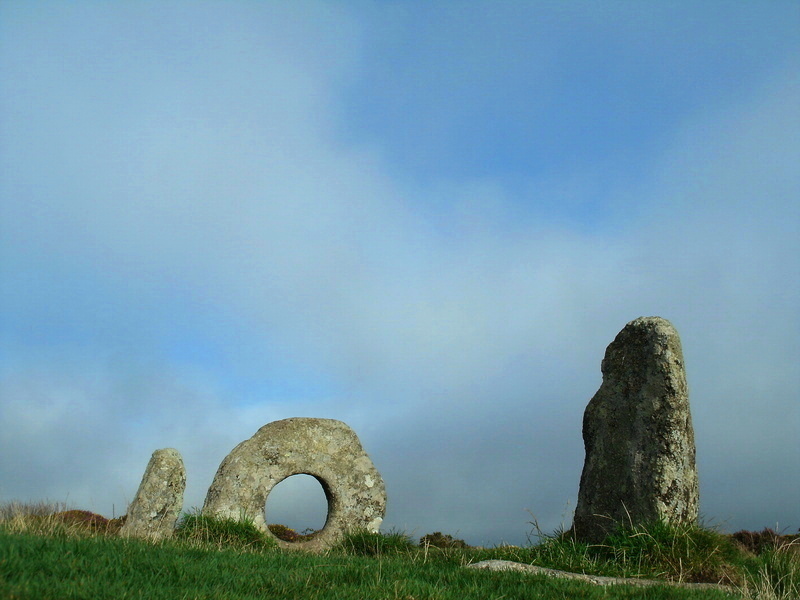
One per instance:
[(767, 539), (91, 521), (437, 539), (287, 534)]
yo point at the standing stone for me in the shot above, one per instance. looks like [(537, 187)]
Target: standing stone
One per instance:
[(326, 449), (159, 500), (637, 430)]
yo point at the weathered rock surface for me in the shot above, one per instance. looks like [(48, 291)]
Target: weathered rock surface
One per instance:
[(507, 565), (325, 449), (159, 500), (638, 435)]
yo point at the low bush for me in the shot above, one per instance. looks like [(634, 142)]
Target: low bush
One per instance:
[(84, 518), (287, 534), (758, 542), (437, 539)]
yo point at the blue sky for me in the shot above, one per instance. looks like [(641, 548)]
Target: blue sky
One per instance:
[(427, 220)]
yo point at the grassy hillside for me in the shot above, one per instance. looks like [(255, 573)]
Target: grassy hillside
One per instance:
[(45, 555)]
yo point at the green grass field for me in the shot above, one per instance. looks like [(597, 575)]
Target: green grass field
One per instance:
[(44, 556)]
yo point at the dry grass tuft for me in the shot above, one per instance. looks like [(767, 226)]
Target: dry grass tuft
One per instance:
[(52, 518)]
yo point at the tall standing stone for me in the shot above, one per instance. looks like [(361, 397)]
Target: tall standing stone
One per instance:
[(637, 430), (159, 500)]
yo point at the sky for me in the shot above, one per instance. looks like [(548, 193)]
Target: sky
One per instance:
[(424, 219)]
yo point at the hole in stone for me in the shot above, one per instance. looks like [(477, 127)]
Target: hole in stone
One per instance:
[(296, 508)]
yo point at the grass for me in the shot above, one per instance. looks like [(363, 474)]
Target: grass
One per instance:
[(682, 553), (43, 555), (222, 533)]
